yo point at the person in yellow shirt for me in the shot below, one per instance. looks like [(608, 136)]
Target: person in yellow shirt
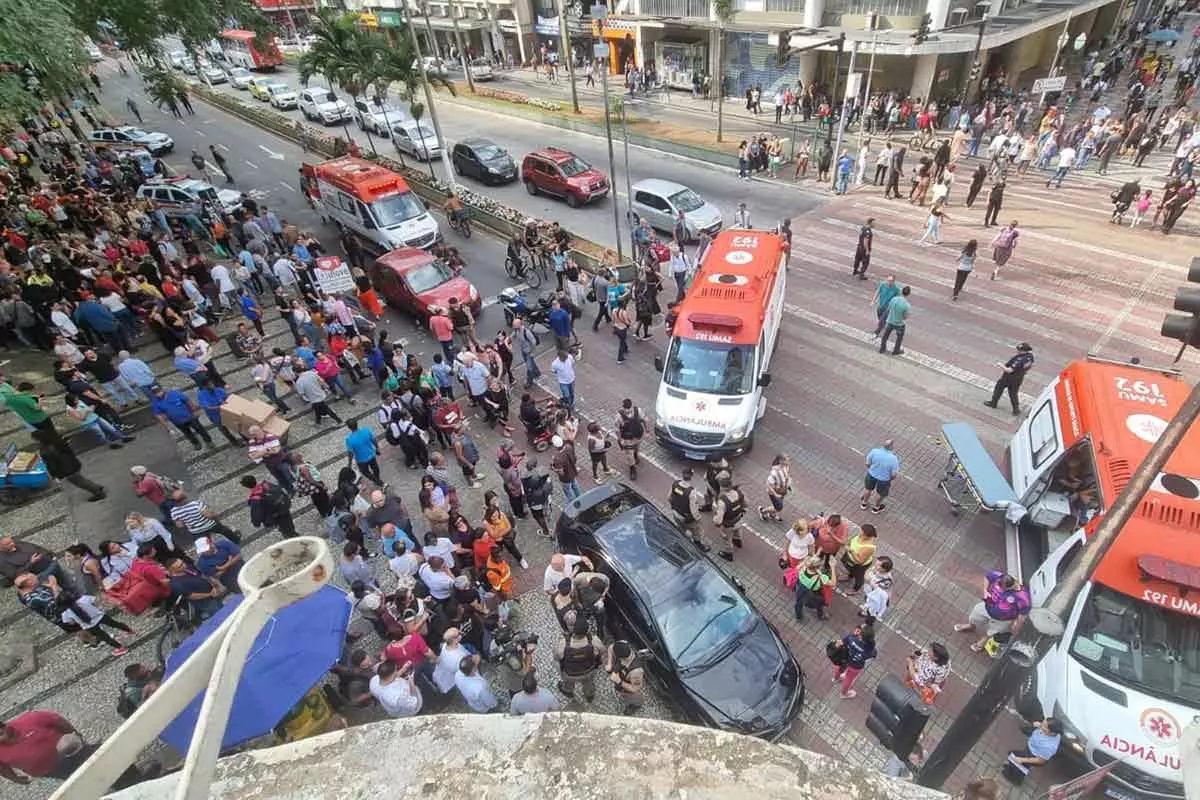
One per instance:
[(859, 555)]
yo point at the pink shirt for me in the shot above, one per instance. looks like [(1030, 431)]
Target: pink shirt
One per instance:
[(441, 327), (402, 653)]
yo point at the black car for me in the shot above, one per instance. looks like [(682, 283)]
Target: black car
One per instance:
[(716, 656), (484, 160)]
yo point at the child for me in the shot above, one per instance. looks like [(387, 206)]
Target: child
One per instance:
[(1140, 208), (443, 376), (851, 656)]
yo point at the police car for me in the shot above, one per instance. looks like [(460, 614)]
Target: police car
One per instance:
[(183, 196), (128, 137)]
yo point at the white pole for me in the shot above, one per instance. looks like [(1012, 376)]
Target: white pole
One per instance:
[(867, 92)]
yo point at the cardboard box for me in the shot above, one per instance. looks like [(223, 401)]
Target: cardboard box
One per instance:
[(239, 413), (278, 426)]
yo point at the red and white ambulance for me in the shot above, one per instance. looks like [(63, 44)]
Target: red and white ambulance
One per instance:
[(716, 369)]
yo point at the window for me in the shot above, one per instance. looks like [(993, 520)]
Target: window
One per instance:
[(365, 213), (651, 200), (1043, 434), (1067, 560), (347, 203)]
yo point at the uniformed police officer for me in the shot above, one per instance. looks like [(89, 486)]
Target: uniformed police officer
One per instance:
[(1010, 380), (685, 507), (728, 508), (712, 479)]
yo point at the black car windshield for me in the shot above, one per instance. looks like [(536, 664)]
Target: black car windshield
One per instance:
[(687, 200), (398, 208), (711, 367), (572, 167), (424, 278), (1140, 644), (694, 607), (489, 152)]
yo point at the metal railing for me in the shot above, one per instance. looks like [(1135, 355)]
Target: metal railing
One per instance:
[(675, 8), (785, 6)]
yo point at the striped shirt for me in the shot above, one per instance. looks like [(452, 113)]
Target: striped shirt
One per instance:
[(191, 516), (778, 480)]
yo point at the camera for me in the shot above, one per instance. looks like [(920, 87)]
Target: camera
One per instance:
[(510, 645)]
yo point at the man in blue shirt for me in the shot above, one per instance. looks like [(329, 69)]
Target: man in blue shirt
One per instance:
[(137, 372), (896, 321), (175, 407), (1041, 747), (100, 320), (360, 448), (560, 323), (211, 398), (882, 467), (202, 592), (305, 352), (219, 558), (251, 310)]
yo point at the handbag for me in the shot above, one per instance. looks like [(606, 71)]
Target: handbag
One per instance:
[(591, 295), (837, 655), (783, 562)]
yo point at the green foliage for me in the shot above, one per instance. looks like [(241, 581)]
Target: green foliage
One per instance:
[(38, 34), (162, 85), (336, 52), (140, 23), (417, 109)]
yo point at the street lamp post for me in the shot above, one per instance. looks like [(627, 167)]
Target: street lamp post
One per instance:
[(846, 107), (873, 23), (603, 50), (1063, 39), (837, 83), (462, 53), (437, 126), (628, 186), (565, 47)]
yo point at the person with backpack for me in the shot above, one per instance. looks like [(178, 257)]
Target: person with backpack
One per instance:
[(728, 508), (467, 453), (270, 506), (403, 433), (537, 489), (578, 653), (631, 427), (850, 656), (141, 681)]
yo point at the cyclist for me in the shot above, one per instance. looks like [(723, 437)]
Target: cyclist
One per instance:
[(532, 235), (515, 245), (454, 209)]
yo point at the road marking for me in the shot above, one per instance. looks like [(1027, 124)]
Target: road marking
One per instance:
[(271, 153), (201, 133), (224, 147), (251, 165), (288, 186), (207, 121)]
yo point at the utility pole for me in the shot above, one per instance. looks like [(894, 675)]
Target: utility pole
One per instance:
[(719, 82), (975, 66), (603, 50), (437, 126), (1010, 670), (844, 116), (873, 24), (462, 53), (433, 42), (1063, 39), (837, 83), (565, 46), (628, 186)]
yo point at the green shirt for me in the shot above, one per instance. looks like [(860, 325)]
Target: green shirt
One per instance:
[(25, 406), (897, 311), (886, 293)]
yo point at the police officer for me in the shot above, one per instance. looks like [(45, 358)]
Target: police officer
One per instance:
[(685, 507), (628, 675), (712, 477), (862, 253), (728, 508), (578, 653), (590, 589), (563, 603), (1010, 380)]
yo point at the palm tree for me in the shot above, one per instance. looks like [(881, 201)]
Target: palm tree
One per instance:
[(391, 64), (723, 9), (340, 52)]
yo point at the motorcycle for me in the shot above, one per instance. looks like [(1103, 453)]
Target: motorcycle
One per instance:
[(516, 306)]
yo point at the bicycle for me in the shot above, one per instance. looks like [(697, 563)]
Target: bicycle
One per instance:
[(522, 270), (461, 223), (180, 623)]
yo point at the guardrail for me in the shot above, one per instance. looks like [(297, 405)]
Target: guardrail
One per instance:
[(502, 220)]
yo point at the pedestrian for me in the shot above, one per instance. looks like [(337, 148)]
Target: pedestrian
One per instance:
[(133, 109), (89, 420), (361, 451), (443, 330), (563, 367), (862, 252), (966, 262), (251, 310), (895, 173), (197, 519), (1003, 246), (850, 656), (631, 428), (526, 343), (535, 485), (933, 224), (977, 179), (598, 444), (155, 489), (40, 744), (1010, 379), (566, 467), (858, 556), (467, 454), (729, 505), (741, 217), (1066, 160), (265, 448), (896, 318), (1044, 739), (464, 324), (313, 391), (599, 292), (220, 559), (210, 399), (685, 506), (474, 373), (396, 689), (883, 465), (176, 407), (627, 672), (994, 203), (217, 158), (1140, 208), (779, 485), (270, 506), (813, 579), (927, 671), (1004, 604), (884, 293), (622, 321)]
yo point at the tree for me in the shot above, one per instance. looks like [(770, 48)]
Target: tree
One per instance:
[(390, 64), (723, 9), (141, 23), (342, 53), (163, 87), (37, 39)]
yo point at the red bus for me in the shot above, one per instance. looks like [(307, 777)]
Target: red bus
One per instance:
[(243, 49)]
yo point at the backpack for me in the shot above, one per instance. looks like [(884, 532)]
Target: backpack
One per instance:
[(276, 500), (632, 427), (125, 705)]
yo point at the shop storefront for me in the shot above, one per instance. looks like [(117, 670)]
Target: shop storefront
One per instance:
[(679, 62), (621, 35)]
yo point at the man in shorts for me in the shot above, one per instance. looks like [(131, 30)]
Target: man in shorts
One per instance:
[(882, 467), (1005, 602)]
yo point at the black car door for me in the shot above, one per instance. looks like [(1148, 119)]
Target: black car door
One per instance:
[(473, 166)]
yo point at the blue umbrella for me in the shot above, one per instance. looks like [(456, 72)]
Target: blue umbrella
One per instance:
[(1163, 35), (293, 651)]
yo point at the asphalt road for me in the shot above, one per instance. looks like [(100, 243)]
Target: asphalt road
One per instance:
[(266, 168), (768, 203)]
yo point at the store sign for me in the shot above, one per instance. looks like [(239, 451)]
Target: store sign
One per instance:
[(546, 26), (368, 19), (388, 19)]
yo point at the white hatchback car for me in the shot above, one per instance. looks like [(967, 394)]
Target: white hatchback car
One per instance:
[(282, 96)]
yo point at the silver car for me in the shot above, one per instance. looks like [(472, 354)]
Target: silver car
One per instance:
[(661, 201), (418, 139)]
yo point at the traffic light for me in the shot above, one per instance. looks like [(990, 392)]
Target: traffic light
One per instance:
[(923, 29), (975, 71), (897, 716), (1185, 328)]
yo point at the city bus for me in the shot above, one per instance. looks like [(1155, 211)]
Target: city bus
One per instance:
[(1125, 676), (245, 49), (711, 393)]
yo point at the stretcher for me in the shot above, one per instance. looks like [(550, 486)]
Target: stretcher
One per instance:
[(972, 480)]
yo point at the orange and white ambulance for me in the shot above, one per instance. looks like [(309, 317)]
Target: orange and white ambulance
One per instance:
[(372, 201), (1125, 677), (716, 368)]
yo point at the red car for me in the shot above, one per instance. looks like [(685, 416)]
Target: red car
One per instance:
[(412, 280), (563, 174)]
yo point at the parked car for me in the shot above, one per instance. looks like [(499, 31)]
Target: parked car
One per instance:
[(481, 70), (282, 96), (433, 66), (258, 86), (377, 118), (239, 77), (412, 280), (128, 137), (483, 160), (321, 105), (214, 74), (661, 201), (418, 139), (178, 58), (93, 52), (563, 174), (704, 643)]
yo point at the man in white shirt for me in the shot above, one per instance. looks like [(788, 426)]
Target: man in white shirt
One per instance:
[(61, 320), (437, 577), (474, 688), (1066, 160), (440, 546), (533, 699), (285, 273), (396, 690), (404, 564), (227, 296), (446, 669), (562, 566)]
